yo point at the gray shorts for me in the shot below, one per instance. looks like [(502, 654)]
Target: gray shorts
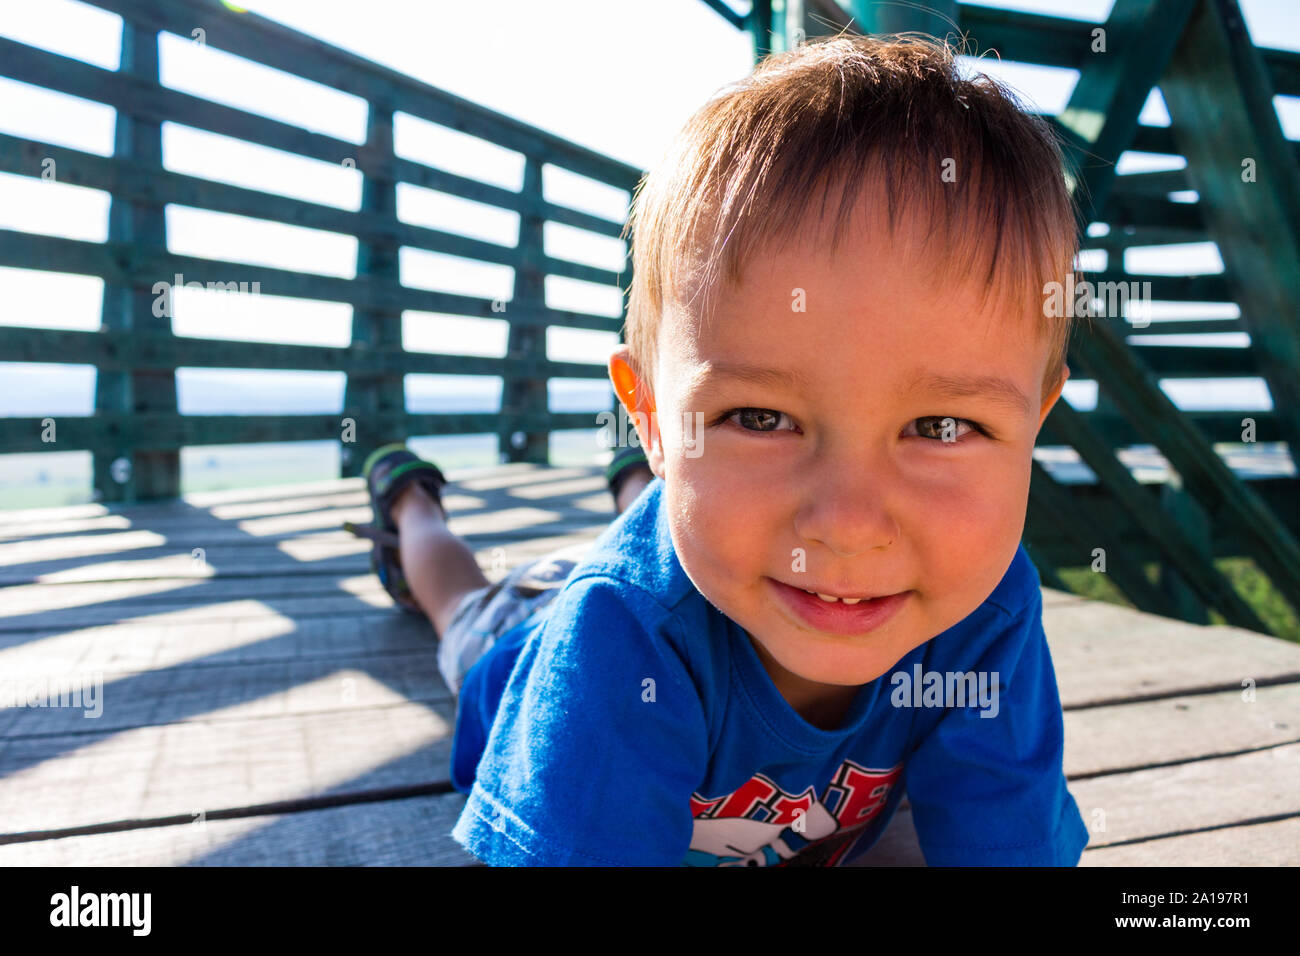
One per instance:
[(484, 615)]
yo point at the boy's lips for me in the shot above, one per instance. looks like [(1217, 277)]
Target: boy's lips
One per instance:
[(837, 617)]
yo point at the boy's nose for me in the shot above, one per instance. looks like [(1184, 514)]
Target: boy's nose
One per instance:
[(848, 512)]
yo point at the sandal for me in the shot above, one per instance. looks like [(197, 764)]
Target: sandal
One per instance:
[(622, 465), (388, 471)]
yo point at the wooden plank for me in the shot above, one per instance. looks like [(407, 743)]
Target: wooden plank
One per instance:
[(897, 846), (140, 265), (216, 763), (1101, 740), (1165, 801), (153, 350), (1105, 654), (410, 832), (174, 640), (199, 689), (1260, 844)]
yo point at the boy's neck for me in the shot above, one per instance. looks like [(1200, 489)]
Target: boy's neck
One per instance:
[(822, 705)]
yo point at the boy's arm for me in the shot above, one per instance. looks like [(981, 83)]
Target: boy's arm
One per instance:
[(990, 791), (597, 745)]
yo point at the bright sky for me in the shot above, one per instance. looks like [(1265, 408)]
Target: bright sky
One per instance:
[(618, 76)]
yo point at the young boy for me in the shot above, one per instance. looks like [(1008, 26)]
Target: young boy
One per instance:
[(838, 361)]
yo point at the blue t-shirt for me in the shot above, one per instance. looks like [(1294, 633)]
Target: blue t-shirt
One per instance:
[(630, 722)]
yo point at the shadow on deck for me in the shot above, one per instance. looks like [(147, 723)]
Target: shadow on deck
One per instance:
[(263, 703)]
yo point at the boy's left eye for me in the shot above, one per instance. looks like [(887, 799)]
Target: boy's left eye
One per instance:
[(758, 419), (942, 428)]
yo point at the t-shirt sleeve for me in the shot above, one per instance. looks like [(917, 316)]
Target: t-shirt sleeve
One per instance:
[(990, 790), (598, 743)]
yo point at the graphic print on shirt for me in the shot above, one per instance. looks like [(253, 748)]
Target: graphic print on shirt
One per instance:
[(759, 824)]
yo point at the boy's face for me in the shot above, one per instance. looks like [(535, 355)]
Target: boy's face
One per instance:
[(840, 480)]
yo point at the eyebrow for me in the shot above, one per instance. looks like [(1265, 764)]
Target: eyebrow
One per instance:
[(754, 374), (998, 390)]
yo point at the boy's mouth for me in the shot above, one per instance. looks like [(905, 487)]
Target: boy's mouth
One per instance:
[(840, 616)]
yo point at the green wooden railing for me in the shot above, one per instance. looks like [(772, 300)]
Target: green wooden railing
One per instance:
[(136, 432)]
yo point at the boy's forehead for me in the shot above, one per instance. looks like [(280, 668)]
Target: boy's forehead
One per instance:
[(870, 278), (813, 320)]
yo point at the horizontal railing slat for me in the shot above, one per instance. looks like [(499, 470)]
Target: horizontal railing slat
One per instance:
[(109, 432), (111, 350), (142, 267)]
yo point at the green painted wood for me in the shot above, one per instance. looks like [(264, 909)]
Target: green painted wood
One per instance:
[(373, 400), (1052, 507), (1224, 539), (1057, 41), (1098, 124), (176, 431), (1103, 354), (1213, 287), (1151, 184), (1180, 549), (140, 183), (935, 17), (143, 266), (525, 393), (1221, 104), (1186, 327), (1217, 426), (1191, 518), (761, 26), (1114, 81), (256, 38), (1122, 211), (1140, 235), (138, 470), (118, 350), (1028, 37), (728, 14)]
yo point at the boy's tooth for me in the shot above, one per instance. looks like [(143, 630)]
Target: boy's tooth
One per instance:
[(827, 597), (850, 600)]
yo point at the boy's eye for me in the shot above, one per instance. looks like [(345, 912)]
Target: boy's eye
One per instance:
[(758, 419), (941, 427)]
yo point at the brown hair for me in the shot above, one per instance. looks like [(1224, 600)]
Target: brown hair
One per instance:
[(853, 110)]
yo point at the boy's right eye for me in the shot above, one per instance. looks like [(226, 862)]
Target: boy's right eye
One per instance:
[(758, 419)]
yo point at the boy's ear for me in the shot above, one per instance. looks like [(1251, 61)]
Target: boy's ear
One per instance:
[(1051, 398), (639, 401)]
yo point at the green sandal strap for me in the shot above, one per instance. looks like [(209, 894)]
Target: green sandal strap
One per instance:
[(372, 533)]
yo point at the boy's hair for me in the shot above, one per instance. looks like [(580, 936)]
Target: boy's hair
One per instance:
[(854, 110)]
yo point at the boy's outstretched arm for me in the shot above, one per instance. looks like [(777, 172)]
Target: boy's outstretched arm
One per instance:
[(598, 742)]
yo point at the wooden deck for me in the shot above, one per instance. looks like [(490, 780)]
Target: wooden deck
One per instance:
[(264, 703)]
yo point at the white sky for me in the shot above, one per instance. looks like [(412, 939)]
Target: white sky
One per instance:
[(618, 76)]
